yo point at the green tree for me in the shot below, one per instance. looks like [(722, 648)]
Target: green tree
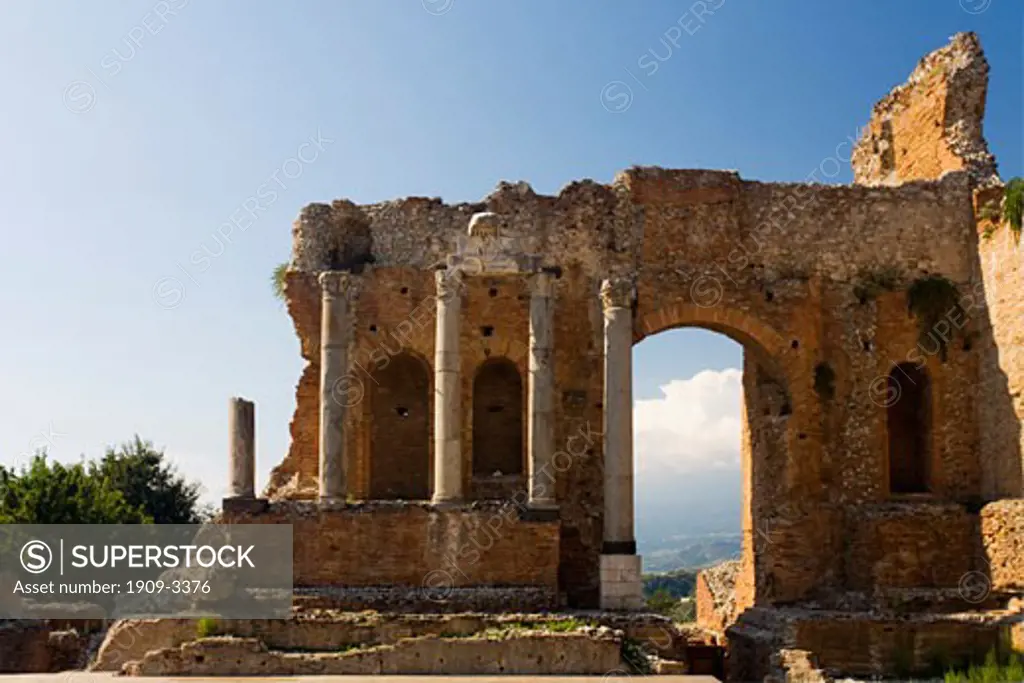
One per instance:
[(45, 492), (148, 482)]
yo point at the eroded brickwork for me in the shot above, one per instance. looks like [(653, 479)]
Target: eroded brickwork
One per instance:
[(932, 123)]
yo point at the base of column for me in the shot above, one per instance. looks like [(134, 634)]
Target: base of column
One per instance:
[(244, 505), (540, 513), (331, 501), (621, 585)]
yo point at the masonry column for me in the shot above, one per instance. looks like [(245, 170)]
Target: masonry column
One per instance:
[(335, 328), (540, 398), (621, 587), (242, 437), (447, 389)]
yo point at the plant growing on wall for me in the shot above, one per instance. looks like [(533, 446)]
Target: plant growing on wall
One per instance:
[(932, 299), (277, 280), (1011, 209), (872, 283), (1013, 204)]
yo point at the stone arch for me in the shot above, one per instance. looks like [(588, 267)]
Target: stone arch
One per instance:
[(742, 327), (767, 435), (400, 418), (498, 443), (909, 429)]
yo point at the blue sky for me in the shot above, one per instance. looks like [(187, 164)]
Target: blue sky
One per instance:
[(134, 130)]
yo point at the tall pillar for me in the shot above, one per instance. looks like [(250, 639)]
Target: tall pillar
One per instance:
[(540, 399), (621, 586), (335, 329), (447, 390), (242, 438)]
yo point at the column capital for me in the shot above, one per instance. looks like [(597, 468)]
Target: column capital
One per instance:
[(542, 284), (336, 283), (449, 282), (617, 293)]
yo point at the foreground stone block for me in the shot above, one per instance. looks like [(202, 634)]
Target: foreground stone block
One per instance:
[(530, 653), (621, 584), (1002, 531)]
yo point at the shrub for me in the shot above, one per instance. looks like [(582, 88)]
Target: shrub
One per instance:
[(207, 627)]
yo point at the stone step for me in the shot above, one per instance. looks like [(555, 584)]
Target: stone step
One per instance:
[(527, 653)]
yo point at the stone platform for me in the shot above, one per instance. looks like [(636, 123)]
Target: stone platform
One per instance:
[(333, 642)]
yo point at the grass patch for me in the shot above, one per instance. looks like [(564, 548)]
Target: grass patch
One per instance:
[(995, 669), (555, 626)]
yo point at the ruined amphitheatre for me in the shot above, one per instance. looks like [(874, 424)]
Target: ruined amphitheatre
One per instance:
[(462, 439)]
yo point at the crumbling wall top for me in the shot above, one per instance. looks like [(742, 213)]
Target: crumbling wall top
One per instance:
[(932, 123)]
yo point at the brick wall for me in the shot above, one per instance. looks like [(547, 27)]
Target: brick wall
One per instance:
[(399, 429), (381, 544), (909, 545)]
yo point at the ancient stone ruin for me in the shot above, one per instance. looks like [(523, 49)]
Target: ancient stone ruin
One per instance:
[(462, 438)]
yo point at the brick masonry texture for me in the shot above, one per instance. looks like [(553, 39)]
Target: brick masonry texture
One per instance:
[(412, 545)]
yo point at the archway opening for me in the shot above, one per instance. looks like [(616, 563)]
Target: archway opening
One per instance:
[(908, 421), (400, 441), (709, 410), (497, 426)]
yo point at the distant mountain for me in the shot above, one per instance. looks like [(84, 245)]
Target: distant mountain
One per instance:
[(687, 520), (690, 553)]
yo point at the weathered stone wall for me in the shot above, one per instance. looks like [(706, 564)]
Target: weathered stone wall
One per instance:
[(716, 596), (39, 646), (1002, 533), (517, 653), (812, 280), (932, 123), (1001, 349), (776, 267), (909, 545), (415, 545)]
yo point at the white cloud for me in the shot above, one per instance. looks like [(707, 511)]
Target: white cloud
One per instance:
[(695, 425)]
